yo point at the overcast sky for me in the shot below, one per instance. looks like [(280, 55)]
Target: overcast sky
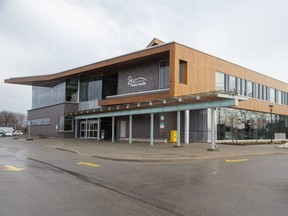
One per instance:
[(49, 36)]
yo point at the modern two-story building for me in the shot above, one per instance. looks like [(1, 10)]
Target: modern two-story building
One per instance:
[(145, 94)]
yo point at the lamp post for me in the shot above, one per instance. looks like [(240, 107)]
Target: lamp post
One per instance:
[(271, 108)]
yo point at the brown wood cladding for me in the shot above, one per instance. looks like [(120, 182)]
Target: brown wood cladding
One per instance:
[(201, 77)]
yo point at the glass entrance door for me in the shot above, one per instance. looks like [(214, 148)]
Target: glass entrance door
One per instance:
[(89, 129)]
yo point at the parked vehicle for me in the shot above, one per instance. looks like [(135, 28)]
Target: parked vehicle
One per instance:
[(7, 134), (17, 132)]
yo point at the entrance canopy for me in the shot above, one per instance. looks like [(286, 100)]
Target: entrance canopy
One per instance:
[(189, 102), (178, 104)]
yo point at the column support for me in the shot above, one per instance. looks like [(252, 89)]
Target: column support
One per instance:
[(86, 129), (76, 128), (151, 129), (212, 146), (98, 129), (178, 128), (187, 122), (130, 129), (113, 128)]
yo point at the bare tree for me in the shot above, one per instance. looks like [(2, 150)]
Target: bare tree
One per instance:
[(11, 119)]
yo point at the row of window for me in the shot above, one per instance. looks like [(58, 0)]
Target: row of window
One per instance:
[(94, 88), (229, 83)]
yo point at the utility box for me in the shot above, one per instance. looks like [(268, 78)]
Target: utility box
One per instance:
[(173, 136)]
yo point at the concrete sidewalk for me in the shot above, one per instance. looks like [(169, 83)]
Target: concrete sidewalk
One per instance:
[(122, 151)]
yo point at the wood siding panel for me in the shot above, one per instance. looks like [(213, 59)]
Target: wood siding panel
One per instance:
[(201, 77)]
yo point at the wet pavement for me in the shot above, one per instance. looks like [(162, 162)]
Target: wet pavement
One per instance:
[(54, 182), (143, 152)]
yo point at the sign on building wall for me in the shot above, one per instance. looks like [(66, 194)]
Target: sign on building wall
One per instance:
[(42, 121), (140, 81)]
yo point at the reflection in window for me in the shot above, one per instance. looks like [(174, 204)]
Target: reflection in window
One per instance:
[(272, 95), (249, 89), (220, 81), (244, 87), (46, 96), (91, 89), (232, 84), (72, 90), (65, 124), (164, 73)]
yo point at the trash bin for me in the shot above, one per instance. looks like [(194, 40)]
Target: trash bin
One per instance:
[(173, 136), (102, 134)]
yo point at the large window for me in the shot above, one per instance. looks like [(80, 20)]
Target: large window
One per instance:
[(232, 84), (249, 89), (72, 90), (220, 81), (91, 89), (236, 124), (164, 74), (272, 95), (46, 96), (65, 124)]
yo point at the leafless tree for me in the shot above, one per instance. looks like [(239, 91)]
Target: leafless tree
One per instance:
[(11, 119)]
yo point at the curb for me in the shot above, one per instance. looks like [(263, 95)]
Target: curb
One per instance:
[(183, 159), (169, 159)]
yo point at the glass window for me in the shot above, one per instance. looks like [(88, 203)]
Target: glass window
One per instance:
[(65, 124), (164, 74), (255, 90), (72, 90), (232, 84), (238, 84), (272, 95), (259, 91), (91, 89), (278, 97), (264, 93), (244, 87), (46, 96), (220, 81), (249, 89)]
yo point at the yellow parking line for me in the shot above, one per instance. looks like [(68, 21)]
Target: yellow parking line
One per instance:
[(88, 164), (236, 161), (12, 168)]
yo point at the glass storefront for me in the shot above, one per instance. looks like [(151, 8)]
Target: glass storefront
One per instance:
[(236, 124)]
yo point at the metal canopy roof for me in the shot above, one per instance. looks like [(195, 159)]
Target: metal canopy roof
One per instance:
[(187, 102)]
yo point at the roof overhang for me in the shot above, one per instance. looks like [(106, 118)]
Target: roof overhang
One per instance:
[(102, 67)]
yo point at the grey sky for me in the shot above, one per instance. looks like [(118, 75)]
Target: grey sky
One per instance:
[(48, 36)]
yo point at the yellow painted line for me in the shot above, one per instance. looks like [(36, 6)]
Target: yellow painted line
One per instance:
[(12, 168), (88, 164), (236, 161)]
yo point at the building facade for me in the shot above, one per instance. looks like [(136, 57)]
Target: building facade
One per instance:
[(146, 94)]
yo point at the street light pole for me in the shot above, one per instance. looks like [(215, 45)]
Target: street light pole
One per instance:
[(271, 108)]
